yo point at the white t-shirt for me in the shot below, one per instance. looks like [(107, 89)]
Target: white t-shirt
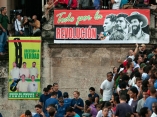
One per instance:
[(130, 101), (107, 88), (24, 71), (100, 114), (22, 86), (154, 115), (137, 87), (117, 4), (33, 71), (15, 73), (133, 81), (33, 87)]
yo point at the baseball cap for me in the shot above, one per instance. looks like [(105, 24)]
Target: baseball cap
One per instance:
[(121, 69), (143, 65)]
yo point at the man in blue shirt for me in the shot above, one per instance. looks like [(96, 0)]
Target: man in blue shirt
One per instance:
[(67, 100), (93, 94), (43, 98), (51, 100), (39, 111), (151, 99), (61, 111), (55, 89)]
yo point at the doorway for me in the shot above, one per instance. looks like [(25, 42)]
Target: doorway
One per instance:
[(29, 7)]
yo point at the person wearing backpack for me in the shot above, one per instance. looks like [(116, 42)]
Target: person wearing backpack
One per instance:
[(3, 29)]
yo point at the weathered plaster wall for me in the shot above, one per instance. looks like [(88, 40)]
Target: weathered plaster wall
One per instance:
[(74, 67)]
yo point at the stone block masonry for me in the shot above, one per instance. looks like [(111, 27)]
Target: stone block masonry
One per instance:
[(74, 67)]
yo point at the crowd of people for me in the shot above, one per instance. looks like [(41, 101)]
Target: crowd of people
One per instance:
[(98, 4), (22, 26), (127, 91)]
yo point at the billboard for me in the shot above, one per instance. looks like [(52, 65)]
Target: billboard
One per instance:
[(24, 67), (102, 26)]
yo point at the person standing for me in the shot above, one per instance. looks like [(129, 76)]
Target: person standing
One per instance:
[(77, 103), (151, 99), (154, 108), (3, 25), (43, 98), (106, 87), (26, 26), (52, 100), (123, 108), (55, 89), (67, 100), (141, 102)]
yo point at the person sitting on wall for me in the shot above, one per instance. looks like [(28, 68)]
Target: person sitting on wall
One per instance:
[(19, 30), (36, 25)]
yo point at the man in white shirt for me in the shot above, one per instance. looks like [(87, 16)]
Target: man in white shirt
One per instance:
[(106, 88), (33, 70), (15, 72), (33, 86), (116, 4), (22, 85), (24, 70), (19, 29), (154, 108)]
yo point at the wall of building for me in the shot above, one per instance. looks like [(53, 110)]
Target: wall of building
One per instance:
[(74, 67)]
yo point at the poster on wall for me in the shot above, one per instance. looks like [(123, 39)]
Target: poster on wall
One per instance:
[(24, 67), (102, 26)]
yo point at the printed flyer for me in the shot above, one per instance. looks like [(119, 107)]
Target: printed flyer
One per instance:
[(24, 67)]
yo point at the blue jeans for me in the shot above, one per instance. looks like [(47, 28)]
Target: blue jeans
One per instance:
[(3, 38)]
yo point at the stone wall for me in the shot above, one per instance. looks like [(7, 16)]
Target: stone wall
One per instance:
[(74, 67)]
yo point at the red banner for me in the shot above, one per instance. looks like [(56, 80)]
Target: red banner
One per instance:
[(102, 26), (91, 17)]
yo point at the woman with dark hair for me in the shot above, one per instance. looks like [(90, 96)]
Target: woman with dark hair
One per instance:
[(145, 112), (114, 71), (119, 75), (114, 101)]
